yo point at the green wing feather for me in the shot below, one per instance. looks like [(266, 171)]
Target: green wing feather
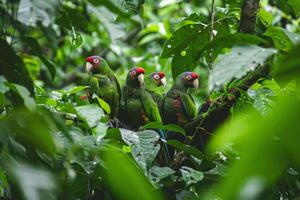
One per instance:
[(94, 87), (150, 107), (188, 105), (119, 89)]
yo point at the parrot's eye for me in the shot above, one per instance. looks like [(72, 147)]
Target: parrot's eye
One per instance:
[(96, 61), (156, 76), (133, 73), (189, 77)]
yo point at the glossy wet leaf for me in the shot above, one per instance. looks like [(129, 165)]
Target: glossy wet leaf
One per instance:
[(186, 148), (191, 176), (237, 63), (91, 113), (31, 12), (167, 127), (282, 38)]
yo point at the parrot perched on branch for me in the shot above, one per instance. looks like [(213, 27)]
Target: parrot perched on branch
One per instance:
[(103, 83), (178, 105), (154, 84), (140, 106)]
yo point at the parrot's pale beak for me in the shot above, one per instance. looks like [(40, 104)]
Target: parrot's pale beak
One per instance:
[(88, 66), (141, 78), (196, 83), (163, 81)]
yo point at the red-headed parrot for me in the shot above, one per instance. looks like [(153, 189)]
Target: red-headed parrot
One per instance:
[(154, 84), (178, 105), (103, 83), (139, 104)]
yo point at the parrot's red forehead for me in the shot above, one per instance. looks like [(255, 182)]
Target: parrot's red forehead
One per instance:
[(139, 70), (161, 74), (89, 59), (192, 74)]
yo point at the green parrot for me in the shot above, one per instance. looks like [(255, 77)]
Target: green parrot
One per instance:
[(154, 84), (139, 104), (178, 105), (103, 83)]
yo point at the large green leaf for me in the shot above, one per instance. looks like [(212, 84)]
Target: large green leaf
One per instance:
[(230, 40), (261, 142), (12, 67), (120, 7), (156, 174), (185, 38), (144, 146), (295, 5), (33, 128), (186, 148), (25, 95), (191, 176), (91, 113), (167, 127), (108, 20), (35, 46), (236, 64), (288, 67), (123, 176), (33, 11), (282, 38), (33, 182)]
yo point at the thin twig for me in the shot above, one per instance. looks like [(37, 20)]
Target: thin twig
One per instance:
[(212, 32)]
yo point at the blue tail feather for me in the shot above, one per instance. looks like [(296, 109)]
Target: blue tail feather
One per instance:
[(163, 136)]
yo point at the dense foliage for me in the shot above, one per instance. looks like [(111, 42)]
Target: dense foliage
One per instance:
[(244, 144)]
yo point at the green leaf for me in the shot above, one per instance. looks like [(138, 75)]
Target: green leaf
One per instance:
[(76, 38), (76, 89), (108, 20), (25, 95), (191, 176), (265, 17), (282, 38), (33, 128), (228, 41), (4, 186), (186, 148), (236, 64), (13, 68), (124, 8), (3, 87), (123, 174), (104, 105), (156, 174), (295, 5), (185, 38), (168, 127), (272, 145), (91, 113), (34, 45), (145, 147), (287, 68), (42, 184), (33, 11)]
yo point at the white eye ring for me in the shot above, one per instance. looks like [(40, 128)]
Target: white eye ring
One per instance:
[(156, 77), (133, 73), (188, 77), (96, 60)]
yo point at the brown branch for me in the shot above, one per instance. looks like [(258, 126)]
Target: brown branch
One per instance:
[(248, 16)]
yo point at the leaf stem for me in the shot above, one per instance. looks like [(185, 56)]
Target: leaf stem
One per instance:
[(212, 32)]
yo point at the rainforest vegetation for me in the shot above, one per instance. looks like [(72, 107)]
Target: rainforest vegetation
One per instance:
[(149, 99)]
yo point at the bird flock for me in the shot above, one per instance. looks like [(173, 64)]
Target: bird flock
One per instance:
[(142, 100)]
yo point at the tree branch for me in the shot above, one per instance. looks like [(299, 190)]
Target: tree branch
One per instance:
[(248, 16)]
